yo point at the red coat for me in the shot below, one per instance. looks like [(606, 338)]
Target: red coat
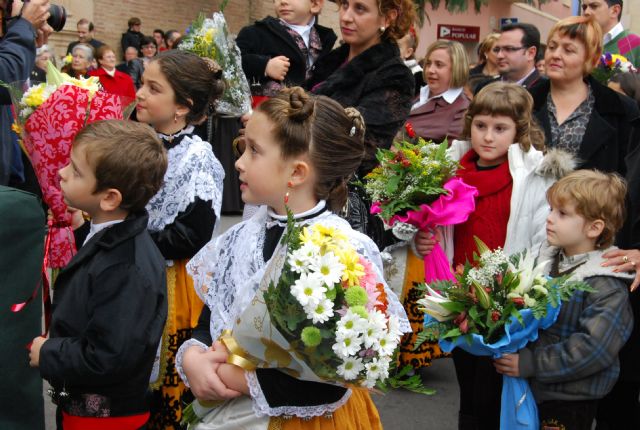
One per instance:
[(120, 83)]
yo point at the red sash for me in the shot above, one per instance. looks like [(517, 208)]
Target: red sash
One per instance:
[(132, 422)]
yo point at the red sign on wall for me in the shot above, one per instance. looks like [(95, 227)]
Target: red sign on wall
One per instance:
[(459, 33)]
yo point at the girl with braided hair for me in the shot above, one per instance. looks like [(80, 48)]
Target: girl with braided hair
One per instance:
[(299, 153)]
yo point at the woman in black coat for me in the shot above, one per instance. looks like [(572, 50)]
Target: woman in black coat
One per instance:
[(367, 73), (600, 127)]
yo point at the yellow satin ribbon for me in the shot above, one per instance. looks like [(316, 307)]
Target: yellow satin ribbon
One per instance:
[(237, 355)]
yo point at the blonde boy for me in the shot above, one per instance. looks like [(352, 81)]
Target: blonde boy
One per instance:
[(575, 362)]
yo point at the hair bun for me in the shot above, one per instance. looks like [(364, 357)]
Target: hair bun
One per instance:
[(357, 122), (301, 104)]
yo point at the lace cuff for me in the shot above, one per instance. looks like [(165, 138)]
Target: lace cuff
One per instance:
[(180, 354), (261, 406)]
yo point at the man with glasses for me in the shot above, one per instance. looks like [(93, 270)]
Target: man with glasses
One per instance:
[(516, 51), (617, 40)]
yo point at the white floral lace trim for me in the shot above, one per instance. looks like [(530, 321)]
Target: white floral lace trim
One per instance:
[(194, 171), (261, 406), (180, 355)]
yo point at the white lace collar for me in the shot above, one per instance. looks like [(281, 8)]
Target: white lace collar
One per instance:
[(193, 171), (282, 219)]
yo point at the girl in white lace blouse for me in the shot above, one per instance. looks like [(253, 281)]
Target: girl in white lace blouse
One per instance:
[(299, 150), (177, 90)]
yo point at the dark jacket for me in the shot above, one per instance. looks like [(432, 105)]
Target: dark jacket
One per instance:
[(532, 81), (268, 38), (133, 68), (377, 83), (131, 38), (94, 43), (608, 136), (17, 59), (109, 311)]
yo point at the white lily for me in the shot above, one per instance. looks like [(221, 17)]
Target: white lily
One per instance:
[(528, 272), (432, 303)]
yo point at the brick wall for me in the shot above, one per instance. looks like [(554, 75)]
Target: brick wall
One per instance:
[(110, 16)]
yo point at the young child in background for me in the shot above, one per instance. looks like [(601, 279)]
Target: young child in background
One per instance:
[(280, 166), (575, 361), (279, 52), (408, 45), (511, 175), (110, 304), (177, 90)]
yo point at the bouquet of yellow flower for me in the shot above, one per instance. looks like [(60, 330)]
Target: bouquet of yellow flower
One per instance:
[(209, 38)]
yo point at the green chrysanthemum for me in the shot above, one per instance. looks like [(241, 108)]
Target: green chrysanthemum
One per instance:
[(356, 296), (311, 336), (360, 310)]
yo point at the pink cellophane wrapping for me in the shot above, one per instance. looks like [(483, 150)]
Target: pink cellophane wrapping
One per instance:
[(449, 209)]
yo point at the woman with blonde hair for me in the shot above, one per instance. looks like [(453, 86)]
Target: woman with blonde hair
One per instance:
[(487, 59)]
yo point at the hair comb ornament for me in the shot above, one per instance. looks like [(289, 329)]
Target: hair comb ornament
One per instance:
[(352, 132)]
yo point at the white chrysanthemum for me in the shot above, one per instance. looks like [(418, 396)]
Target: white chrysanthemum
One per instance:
[(394, 327), (386, 345), (376, 328), (350, 368), (328, 267), (351, 322), (347, 344), (319, 312), (377, 368), (309, 290)]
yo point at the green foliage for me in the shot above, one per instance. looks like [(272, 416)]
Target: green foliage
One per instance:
[(401, 379)]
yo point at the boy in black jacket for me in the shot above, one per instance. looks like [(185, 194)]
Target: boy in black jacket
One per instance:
[(110, 302), (279, 52)]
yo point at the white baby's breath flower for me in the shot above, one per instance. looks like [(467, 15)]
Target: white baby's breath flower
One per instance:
[(309, 290), (328, 267), (350, 368)]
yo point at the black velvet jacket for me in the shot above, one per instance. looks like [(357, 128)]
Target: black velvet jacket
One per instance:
[(377, 83), (109, 310), (268, 38)]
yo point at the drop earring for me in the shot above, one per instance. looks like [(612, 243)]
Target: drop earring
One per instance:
[(175, 117), (286, 195)]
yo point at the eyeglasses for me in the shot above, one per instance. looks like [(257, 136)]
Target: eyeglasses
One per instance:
[(507, 49)]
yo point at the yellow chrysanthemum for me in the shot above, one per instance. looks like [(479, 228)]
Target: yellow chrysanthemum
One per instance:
[(35, 96), (353, 270), (16, 128), (209, 35), (306, 236), (330, 233), (68, 59)]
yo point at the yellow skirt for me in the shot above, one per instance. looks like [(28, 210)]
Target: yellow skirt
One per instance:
[(359, 413), (184, 310), (414, 274)]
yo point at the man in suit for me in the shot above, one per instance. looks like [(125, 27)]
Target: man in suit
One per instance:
[(516, 50)]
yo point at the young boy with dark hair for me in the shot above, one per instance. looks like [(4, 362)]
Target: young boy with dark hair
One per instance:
[(110, 302), (278, 52), (574, 363)]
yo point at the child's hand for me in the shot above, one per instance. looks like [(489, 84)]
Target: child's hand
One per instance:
[(231, 375), (508, 365), (425, 241), (34, 352), (277, 68), (201, 368)]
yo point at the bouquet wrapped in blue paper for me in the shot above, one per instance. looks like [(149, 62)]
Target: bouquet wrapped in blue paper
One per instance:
[(495, 307)]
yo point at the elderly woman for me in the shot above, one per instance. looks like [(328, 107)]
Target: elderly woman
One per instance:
[(149, 49), (82, 59), (366, 72), (438, 112), (39, 72), (113, 81), (601, 128), (487, 59)]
